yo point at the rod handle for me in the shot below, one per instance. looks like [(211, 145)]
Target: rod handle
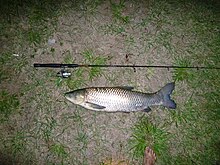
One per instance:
[(55, 65)]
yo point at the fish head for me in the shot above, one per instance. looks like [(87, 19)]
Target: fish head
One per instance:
[(76, 97)]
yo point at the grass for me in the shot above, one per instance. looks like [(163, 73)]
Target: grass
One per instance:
[(59, 150), (30, 25), (181, 74), (15, 147), (34, 37), (86, 7), (90, 58), (10, 65), (117, 9), (34, 16), (4, 72), (17, 143), (9, 104), (83, 75), (196, 120), (147, 134), (185, 32), (47, 128), (120, 22), (113, 29)]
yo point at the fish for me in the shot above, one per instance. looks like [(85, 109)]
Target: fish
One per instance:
[(121, 99)]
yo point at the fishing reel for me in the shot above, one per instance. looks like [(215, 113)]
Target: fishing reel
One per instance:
[(63, 73)]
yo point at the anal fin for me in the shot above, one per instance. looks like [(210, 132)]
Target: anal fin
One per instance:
[(148, 109)]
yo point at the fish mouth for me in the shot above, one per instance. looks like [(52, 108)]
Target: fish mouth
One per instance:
[(68, 95)]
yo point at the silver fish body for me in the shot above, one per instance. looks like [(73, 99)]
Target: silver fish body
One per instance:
[(116, 99)]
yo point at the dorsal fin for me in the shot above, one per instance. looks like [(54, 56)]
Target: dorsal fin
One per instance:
[(126, 87)]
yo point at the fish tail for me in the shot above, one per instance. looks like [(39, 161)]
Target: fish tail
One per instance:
[(165, 93)]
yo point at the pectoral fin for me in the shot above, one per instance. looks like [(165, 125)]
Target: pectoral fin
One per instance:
[(148, 109), (96, 106)]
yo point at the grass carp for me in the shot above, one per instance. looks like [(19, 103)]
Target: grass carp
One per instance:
[(121, 99)]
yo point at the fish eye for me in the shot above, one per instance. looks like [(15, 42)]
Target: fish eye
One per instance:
[(76, 97)]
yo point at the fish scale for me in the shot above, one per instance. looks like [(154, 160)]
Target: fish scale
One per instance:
[(124, 99), (115, 98)]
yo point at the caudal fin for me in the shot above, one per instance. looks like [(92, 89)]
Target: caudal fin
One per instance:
[(165, 93)]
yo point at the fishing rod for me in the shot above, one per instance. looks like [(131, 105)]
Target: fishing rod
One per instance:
[(65, 74)]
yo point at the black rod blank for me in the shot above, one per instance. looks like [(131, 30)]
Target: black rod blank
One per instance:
[(59, 65)]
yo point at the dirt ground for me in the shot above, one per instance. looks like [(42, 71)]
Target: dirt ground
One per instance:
[(58, 132), (104, 135), (89, 137)]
